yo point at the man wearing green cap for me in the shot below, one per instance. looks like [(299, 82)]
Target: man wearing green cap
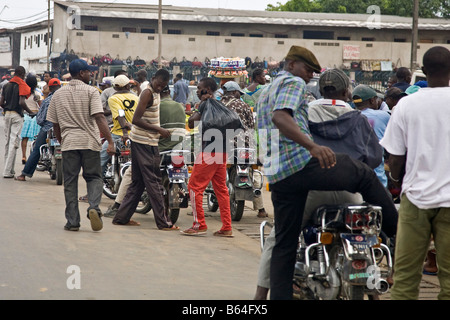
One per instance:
[(294, 164), (365, 99)]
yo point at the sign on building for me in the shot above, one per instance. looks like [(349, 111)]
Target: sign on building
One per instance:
[(351, 52)]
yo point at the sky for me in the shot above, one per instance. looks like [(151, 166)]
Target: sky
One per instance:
[(14, 13)]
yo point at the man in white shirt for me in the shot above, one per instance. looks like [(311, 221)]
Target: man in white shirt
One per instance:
[(418, 141)]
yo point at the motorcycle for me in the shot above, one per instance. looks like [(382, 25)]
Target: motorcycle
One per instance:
[(241, 176), (341, 257), (115, 170), (51, 158), (174, 172)]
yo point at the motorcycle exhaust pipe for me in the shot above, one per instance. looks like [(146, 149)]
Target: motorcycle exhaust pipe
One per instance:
[(382, 286), (257, 192), (378, 253)]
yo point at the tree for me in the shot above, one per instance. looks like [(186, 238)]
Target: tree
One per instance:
[(427, 9)]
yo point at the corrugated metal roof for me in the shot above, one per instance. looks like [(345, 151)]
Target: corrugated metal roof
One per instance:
[(192, 14)]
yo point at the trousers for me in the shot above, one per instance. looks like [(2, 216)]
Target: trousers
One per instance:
[(415, 228), (72, 162), (289, 197), (13, 128), (145, 175), (33, 159), (208, 168)]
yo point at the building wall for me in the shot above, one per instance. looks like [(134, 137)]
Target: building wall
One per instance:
[(328, 52), (110, 38), (33, 50)]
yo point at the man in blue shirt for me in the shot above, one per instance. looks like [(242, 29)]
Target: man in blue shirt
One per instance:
[(365, 99), (30, 166), (180, 89)]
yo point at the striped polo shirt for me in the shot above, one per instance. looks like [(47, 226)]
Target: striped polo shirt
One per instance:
[(151, 116), (73, 107)]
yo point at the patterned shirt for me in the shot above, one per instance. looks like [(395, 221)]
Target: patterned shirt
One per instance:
[(282, 156), (151, 116), (73, 107), (246, 115)]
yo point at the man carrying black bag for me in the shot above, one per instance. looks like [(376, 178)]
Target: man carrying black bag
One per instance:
[(210, 164)]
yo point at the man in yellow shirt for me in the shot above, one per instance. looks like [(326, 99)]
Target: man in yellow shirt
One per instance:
[(122, 99)]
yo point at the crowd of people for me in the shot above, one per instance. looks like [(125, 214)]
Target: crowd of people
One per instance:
[(351, 145)]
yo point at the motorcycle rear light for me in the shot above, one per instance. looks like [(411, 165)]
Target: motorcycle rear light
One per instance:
[(177, 161), (360, 220), (125, 153), (244, 155), (359, 264), (326, 238)]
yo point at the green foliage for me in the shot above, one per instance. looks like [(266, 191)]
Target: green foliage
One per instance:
[(427, 8)]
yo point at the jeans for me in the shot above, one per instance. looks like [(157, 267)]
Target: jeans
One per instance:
[(289, 197), (13, 128), (415, 228), (73, 161), (104, 156), (35, 155)]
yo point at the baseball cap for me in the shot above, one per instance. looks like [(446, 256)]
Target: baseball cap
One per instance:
[(105, 82), (362, 93), (303, 54), (121, 81), (54, 82), (334, 78), (78, 65), (232, 86)]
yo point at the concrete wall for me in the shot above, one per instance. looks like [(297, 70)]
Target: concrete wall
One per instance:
[(328, 52), (193, 42)]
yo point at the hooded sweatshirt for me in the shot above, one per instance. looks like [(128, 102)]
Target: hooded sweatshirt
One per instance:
[(350, 133)]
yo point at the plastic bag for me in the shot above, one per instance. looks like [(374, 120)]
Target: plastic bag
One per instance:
[(215, 115)]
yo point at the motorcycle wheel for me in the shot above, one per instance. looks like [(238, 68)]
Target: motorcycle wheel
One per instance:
[(356, 292), (144, 205), (172, 213), (211, 202), (59, 172), (236, 206), (109, 186)]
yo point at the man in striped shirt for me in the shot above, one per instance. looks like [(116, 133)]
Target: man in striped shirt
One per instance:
[(77, 115), (298, 165), (145, 134)]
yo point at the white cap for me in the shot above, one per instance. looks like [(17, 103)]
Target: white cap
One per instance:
[(121, 81)]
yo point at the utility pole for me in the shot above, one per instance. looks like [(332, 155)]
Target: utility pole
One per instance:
[(159, 34), (415, 36), (48, 37)]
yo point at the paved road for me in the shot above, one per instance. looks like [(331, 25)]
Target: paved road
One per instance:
[(40, 260)]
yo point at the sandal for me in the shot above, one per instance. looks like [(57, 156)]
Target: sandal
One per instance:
[(20, 178), (83, 199), (224, 233), (172, 228), (133, 223), (129, 223), (193, 232), (262, 214)]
